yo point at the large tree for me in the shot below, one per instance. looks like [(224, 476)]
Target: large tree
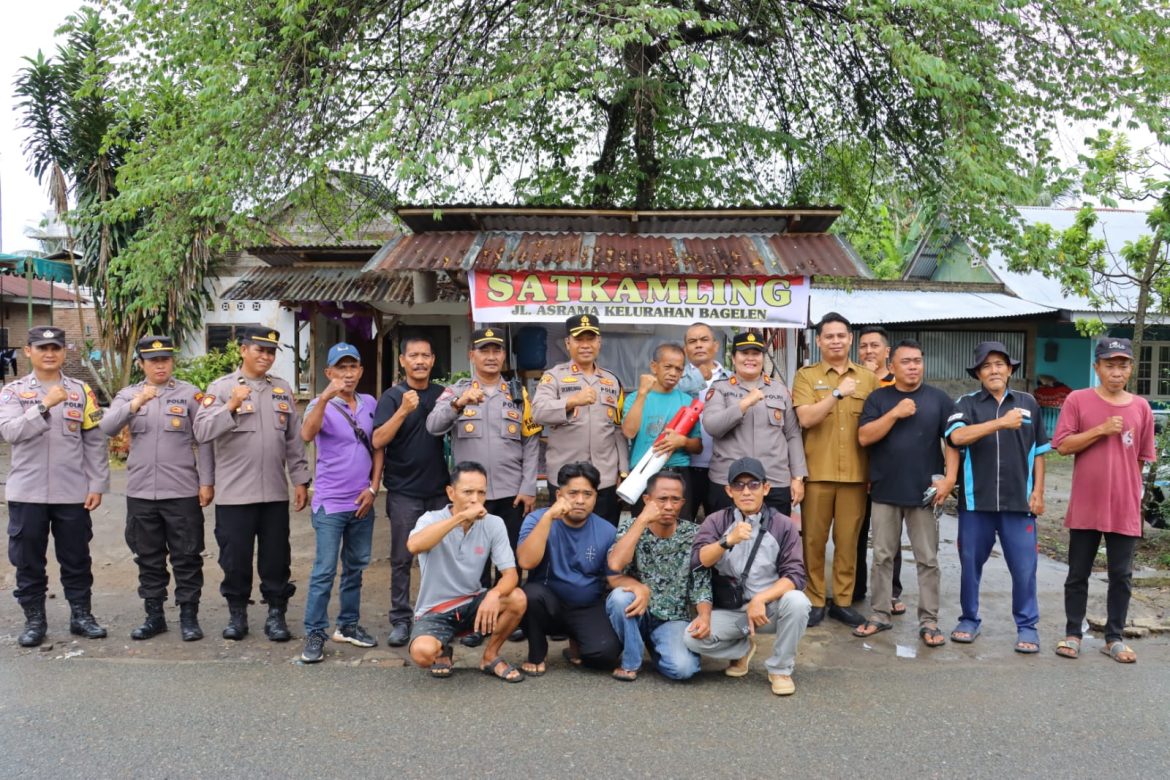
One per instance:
[(79, 127), (624, 102)]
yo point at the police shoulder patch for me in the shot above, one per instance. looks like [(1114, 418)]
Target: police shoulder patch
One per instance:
[(546, 379), (208, 400), (198, 396)]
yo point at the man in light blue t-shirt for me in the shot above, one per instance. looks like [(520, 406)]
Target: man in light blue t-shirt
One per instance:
[(653, 407)]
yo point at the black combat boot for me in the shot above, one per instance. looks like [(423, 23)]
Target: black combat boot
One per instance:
[(35, 624), (237, 627), (82, 621), (275, 627), (189, 621), (155, 623)]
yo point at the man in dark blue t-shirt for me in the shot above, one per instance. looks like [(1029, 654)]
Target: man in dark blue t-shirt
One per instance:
[(904, 426), (414, 470), (564, 549)]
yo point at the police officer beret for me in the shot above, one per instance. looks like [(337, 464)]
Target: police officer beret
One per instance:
[(155, 347), (46, 334), (486, 336), (261, 336), (582, 323), (749, 339)]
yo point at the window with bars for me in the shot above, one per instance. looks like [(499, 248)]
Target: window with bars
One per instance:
[(1153, 370), (218, 336), (947, 352)]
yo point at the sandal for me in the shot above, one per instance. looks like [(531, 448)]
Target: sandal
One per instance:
[(1069, 647), (871, 627), (533, 670), (897, 607), (965, 633), (575, 660), (442, 667), (509, 674), (931, 636), (1116, 649), (625, 675), (1027, 641)]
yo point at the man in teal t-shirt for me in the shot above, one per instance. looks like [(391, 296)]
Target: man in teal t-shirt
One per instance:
[(649, 411)]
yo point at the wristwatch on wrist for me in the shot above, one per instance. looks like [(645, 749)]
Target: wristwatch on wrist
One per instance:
[(455, 404), (837, 394), (42, 409), (726, 545)]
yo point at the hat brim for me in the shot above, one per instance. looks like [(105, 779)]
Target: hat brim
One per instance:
[(1116, 353), (584, 329), (732, 477), (42, 342), (973, 371), (156, 353), (745, 347), (260, 342), (488, 343)]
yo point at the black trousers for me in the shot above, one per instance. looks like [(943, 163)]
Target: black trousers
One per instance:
[(688, 510), (861, 580), (700, 485), (609, 506), (779, 498), (29, 526), (513, 517), (158, 528), (244, 530), (1082, 549), (588, 626)]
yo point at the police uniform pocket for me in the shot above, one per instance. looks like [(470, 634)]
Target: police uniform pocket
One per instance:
[(246, 418), (176, 418), (776, 407), (281, 420), (511, 430), (468, 429), (71, 422), (138, 421)]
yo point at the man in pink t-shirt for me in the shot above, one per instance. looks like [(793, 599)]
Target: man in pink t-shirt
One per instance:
[(1110, 431)]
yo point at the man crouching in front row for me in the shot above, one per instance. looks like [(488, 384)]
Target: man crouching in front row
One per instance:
[(757, 574), (452, 545)]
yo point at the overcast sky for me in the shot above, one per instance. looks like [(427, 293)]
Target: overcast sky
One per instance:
[(27, 27)]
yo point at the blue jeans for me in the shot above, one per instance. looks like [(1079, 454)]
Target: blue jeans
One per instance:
[(667, 650), (1017, 538), (352, 536)]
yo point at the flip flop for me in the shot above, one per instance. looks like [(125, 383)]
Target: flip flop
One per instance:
[(493, 670), (1068, 648), (574, 660), (972, 632), (536, 671), (1022, 647), (625, 675), (897, 607), (442, 668), (876, 625), (931, 632), (1116, 648)]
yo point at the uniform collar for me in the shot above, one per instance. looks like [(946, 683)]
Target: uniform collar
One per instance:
[(985, 394), (850, 366)]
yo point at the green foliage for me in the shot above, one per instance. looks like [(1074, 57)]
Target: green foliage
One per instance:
[(205, 369), (623, 102)]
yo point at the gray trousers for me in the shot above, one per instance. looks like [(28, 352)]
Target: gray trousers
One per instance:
[(787, 619), (922, 526), (404, 512)]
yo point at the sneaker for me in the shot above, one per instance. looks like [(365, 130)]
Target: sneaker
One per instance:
[(314, 649), (399, 634), (355, 635)]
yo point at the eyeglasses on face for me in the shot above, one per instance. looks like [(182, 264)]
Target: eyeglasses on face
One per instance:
[(752, 485)]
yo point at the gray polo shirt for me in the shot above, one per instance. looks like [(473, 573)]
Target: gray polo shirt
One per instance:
[(450, 571)]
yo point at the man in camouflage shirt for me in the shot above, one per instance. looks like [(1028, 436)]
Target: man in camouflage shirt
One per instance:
[(655, 548)]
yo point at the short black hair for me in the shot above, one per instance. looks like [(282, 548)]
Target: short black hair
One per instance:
[(580, 468), (467, 467), (661, 475), (878, 329), (906, 344), (668, 346), (407, 340), (832, 317)]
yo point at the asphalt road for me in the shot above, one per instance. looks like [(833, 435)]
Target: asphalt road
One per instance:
[(867, 713)]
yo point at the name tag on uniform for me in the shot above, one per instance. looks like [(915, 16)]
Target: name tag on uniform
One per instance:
[(569, 379)]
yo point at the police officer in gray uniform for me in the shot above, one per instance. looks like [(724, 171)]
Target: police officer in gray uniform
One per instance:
[(169, 480), (491, 423), (751, 416), (579, 403), (251, 418), (59, 471)]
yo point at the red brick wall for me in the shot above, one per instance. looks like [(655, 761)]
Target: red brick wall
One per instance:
[(14, 317)]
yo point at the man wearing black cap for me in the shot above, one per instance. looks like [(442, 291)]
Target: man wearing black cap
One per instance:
[(58, 473), (252, 420), (490, 422), (579, 403), (756, 579), (1001, 440), (169, 479), (749, 415), (1111, 431)]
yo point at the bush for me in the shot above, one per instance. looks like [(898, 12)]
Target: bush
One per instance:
[(205, 369)]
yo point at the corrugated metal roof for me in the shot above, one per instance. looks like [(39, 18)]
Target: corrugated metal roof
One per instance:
[(650, 255), (330, 284), (867, 307), (588, 219), (20, 287)]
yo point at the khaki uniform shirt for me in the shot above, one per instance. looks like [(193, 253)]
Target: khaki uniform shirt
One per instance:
[(831, 446), (59, 457), (590, 433), (165, 460), (769, 431), (255, 445), (498, 434)]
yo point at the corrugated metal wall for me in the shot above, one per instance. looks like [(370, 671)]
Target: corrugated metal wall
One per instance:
[(947, 352)]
